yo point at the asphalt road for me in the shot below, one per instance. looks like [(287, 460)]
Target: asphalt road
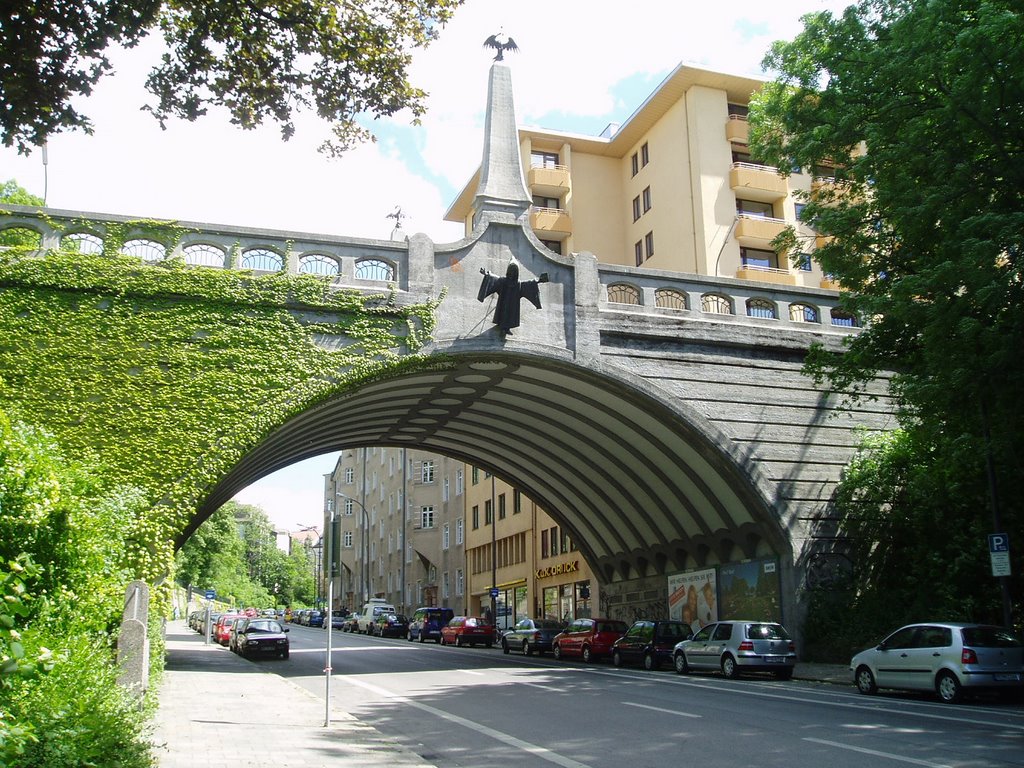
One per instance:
[(477, 708)]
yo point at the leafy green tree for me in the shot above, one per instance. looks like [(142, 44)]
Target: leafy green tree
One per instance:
[(10, 192), (261, 61), (911, 111)]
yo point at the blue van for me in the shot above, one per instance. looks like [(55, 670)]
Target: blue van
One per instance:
[(426, 623)]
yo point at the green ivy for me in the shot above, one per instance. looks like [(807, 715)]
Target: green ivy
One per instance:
[(169, 373)]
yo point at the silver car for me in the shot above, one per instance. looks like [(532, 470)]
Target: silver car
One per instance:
[(944, 657), (738, 646)]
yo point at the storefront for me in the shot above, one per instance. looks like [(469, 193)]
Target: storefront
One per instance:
[(565, 591)]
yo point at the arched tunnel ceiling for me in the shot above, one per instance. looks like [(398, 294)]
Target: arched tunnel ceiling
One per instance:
[(629, 477)]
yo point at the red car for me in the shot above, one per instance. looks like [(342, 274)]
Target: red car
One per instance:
[(590, 639), (221, 631), (468, 630)]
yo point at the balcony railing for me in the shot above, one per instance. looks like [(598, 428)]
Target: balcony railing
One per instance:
[(752, 229), (737, 129), (550, 223), (766, 274), (758, 182)]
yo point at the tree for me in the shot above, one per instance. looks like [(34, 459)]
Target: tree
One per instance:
[(911, 110), (262, 61)]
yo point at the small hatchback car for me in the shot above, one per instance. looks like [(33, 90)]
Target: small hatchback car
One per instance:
[(590, 639), (649, 643), (467, 630), (736, 647), (263, 637), (946, 658), (531, 636)]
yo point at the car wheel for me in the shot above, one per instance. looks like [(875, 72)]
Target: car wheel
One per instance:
[(458, 641), (556, 651), (284, 654), (504, 647), (784, 674), (585, 655), (948, 687), (679, 662), (421, 638), (865, 680), (616, 658), (650, 661), (729, 668), (527, 650)]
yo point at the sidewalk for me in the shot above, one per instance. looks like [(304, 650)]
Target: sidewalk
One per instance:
[(219, 711)]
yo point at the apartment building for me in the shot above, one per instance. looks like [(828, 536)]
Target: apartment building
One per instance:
[(515, 549), (398, 528), (672, 188)]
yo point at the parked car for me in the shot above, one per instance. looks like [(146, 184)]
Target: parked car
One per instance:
[(236, 626), (467, 630), (371, 610), (390, 625), (531, 636), (350, 623), (222, 629), (649, 643), (315, 619), (263, 637), (738, 646), (946, 658), (590, 639), (338, 617), (426, 623)]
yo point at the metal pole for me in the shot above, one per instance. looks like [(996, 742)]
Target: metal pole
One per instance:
[(494, 552), (405, 517), (366, 535), (330, 612)]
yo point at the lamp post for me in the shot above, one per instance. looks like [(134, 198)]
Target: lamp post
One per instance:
[(364, 586), (317, 560), (330, 610)]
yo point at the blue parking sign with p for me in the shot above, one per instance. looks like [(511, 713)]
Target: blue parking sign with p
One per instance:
[(999, 553), (998, 542)]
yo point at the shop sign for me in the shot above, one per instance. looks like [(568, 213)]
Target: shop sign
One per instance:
[(558, 570)]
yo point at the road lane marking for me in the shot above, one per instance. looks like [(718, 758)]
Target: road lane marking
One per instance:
[(876, 753), (537, 751), (660, 709)]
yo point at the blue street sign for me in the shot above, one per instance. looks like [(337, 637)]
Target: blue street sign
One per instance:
[(999, 553), (998, 542), (494, 591), (211, 594)]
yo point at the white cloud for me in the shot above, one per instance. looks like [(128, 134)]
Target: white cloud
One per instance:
[(572, 55)]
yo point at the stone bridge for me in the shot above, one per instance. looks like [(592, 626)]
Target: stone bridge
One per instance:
[(665, 437)]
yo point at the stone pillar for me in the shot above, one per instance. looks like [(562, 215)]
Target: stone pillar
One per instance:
[(133, 639)]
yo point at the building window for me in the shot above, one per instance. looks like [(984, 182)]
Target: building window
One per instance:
[(714, 304), (262, 260), (374, 269), (445, 536), (754, 208), (501, 506), (638, 252), (843, 318), (539, 201), (444, 586), (458, 531), (350, 475), (758, 259), (200, 254), (647, 199), (476, 516), (803, 262), (740, 110), (460, 482), (645, 155), (649, 244), (517, 502), (349, 504), (445, 489), (426, 517), (621, 293), (460, 582), (476, 476), (554, 541), (147, 250), (552, 245), (635, 163), (636, 207), (545, 549), (346, 539), (799, 208), (427, 472), (543, 159), (488, 513), (669, 298), (761, 308), (318, 264), (803, 313)]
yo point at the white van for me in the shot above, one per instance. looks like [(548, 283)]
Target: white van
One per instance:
[(371, 610)]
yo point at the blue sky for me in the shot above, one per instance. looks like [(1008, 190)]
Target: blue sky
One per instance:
[(579, 68)]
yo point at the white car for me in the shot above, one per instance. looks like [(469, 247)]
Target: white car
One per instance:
[(943, 657)]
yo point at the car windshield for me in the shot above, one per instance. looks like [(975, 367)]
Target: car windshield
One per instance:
[(672, 630), (611, 626), (989, 637), (766, 632), (548, 624), (263, 626)]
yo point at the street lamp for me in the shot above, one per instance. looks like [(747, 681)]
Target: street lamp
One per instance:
[(317, 561), (364, 575)]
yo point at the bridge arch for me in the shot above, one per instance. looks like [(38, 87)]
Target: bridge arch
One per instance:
[(646, 484)]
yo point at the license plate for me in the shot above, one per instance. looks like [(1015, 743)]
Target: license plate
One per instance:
[(773, 659), (1015, 678)]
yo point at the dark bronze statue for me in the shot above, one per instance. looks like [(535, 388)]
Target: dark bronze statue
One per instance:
[(510, 289)]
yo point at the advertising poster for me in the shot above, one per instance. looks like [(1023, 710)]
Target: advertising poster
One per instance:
[(693, 598), (750, 590)]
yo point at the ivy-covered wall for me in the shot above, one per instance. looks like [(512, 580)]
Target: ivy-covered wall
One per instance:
[(171, 373)]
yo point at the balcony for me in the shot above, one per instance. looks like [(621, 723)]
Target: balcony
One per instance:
[(549, 180), (757, 231), (757, 182), (550, 223), (766, 275), (737, 129)]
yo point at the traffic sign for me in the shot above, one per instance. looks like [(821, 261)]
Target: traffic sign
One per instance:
[(494, 591), (211, 594), (999, 553)]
